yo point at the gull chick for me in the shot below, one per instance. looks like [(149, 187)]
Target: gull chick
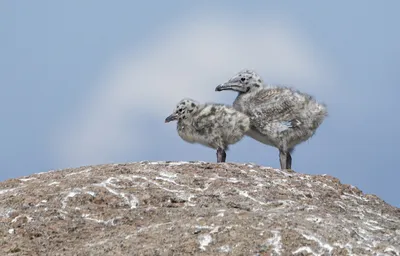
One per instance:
[(281, 117), (213, 125)]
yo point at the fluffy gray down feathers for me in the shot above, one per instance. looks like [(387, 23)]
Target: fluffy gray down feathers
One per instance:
[(281, 117), (212, 125)]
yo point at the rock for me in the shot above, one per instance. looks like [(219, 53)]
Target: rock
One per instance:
[(196, 208)]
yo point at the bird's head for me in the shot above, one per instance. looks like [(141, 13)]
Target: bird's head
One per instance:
[(244, 81), (182, 110)]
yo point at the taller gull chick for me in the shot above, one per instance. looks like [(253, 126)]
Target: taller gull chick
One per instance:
[(280, 116), (213, 125)]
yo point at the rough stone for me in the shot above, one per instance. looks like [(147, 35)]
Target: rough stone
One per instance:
[(196, 208)]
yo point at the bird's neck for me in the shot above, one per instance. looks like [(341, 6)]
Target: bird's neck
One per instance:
[(250, 92), (237, 104), (242, 98)]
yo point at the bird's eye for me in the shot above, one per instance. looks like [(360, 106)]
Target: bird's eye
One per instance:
[(242, 79)]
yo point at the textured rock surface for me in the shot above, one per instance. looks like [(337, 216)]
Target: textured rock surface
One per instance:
[(192, 209)]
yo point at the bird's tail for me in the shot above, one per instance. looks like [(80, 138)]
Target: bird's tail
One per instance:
[(320, 113)]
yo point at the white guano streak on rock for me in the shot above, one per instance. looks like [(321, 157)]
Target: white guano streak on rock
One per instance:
[(323, 245), (164, 162), (392, 251), (27, 179), (340, 204), (105, 222), (286, 174), (204, 241), (275, 242), (41, 173), (154, 163), (130, 199), (225, 249), (154, 226), (4, 191), (168, 180), (28, 218), (355, 196), (233, 180), (42, 203), (347, 246), (97, 243), (385, 217), (90, 193), (326, 186), (134, 177), (245, 194), (282, 202), (305, 249), (315, 219), (81, 172), (73, 193), (177, 163), (169, 175), (6, 212), (370, 224), (295, 191)]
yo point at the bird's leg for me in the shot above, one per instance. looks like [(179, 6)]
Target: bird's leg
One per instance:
[(288, 161), (285, 159), (282, 159), (221, 155)]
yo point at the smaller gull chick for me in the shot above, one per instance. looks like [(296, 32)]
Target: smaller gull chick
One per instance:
[(213, 125), (281, 117)]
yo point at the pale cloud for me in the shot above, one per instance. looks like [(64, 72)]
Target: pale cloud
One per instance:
[(188, 59)]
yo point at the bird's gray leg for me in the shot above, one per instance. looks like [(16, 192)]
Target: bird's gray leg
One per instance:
[(289, 158), (288, 161), (282, 159), (221, 155), (285, 159)]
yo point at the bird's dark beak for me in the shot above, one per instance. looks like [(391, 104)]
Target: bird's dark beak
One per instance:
[(170, 118), (222, 87), (230, 86)]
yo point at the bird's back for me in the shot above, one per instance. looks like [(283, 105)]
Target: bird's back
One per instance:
[(281, 113), (216, 125)]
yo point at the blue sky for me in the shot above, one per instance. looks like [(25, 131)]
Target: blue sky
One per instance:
[(90, 82)]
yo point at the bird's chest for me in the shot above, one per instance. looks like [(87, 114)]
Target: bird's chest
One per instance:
[(263, 138), (189, 134), (186, 132)]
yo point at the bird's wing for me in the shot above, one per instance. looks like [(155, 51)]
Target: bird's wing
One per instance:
[(200, 126), (208, 117), (275, 105), (202, 121)]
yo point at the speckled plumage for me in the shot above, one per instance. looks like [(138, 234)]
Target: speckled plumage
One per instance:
[(213, 125), (280, 116)]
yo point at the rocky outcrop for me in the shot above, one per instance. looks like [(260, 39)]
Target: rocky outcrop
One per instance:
[(170, 208)]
